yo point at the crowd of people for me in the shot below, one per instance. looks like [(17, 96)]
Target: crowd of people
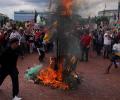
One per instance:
[(30, 40), (104, 42), (101, 40)]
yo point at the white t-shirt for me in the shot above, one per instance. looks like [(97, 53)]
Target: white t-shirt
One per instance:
[(107, 40), (15, 35), (116, 47)]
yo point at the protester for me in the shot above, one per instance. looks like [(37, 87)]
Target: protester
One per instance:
[(31, 45), (22, 42), (2, 37), (40, 47), (99, 42), (47, 42), (107, 44), (115, 56), (8, 62), (37, 34), (14, 34), (85, 45)]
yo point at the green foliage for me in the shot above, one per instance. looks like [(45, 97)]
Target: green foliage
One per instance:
[(102, 19), (84, 21), (3, 20)]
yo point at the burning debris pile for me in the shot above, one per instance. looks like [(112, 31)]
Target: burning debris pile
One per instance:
[(52, 75), (62, 75)]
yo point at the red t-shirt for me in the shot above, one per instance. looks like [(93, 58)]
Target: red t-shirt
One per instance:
[(37, 35), (85, 40)]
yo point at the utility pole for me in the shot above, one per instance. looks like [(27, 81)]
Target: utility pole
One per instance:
[(104, 10), (118, 9)]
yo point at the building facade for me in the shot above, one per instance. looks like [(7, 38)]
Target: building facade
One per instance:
[(111, 14), (27, 15), (3, 19)]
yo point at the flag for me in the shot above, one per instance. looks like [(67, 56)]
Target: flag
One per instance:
[(35, 17)]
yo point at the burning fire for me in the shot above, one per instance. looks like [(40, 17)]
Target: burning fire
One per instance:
[(53, 78), (67, 7)]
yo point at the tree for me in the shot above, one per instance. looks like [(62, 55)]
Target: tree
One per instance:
[(103, 19)]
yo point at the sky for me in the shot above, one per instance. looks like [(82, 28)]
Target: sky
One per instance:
[(85, 7)]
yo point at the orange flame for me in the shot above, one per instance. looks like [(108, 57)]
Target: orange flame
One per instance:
[(67, 7), (52, 78)]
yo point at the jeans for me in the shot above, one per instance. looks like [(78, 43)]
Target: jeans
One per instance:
[(14, 77), (85, 52), (113, 61), (107, 51), (98, 49)]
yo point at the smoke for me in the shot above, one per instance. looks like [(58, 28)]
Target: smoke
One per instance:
[(66, 41), (68, 38), (88, 8)]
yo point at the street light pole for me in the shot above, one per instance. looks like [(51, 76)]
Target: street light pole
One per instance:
[(118, 9), (104, 10)]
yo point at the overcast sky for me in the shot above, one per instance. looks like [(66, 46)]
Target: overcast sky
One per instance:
[(86, 7)]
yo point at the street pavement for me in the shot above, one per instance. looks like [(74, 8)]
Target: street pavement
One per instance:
[(95, 84)]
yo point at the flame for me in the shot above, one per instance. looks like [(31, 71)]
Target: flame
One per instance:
[(67, 7), (52, 78)]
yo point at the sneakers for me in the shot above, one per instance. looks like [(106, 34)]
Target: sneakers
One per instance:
[(17, 98)]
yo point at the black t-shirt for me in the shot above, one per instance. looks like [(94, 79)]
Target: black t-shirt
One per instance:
[(8, 59)]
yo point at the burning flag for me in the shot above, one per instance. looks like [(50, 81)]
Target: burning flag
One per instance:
[(52, 77)]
